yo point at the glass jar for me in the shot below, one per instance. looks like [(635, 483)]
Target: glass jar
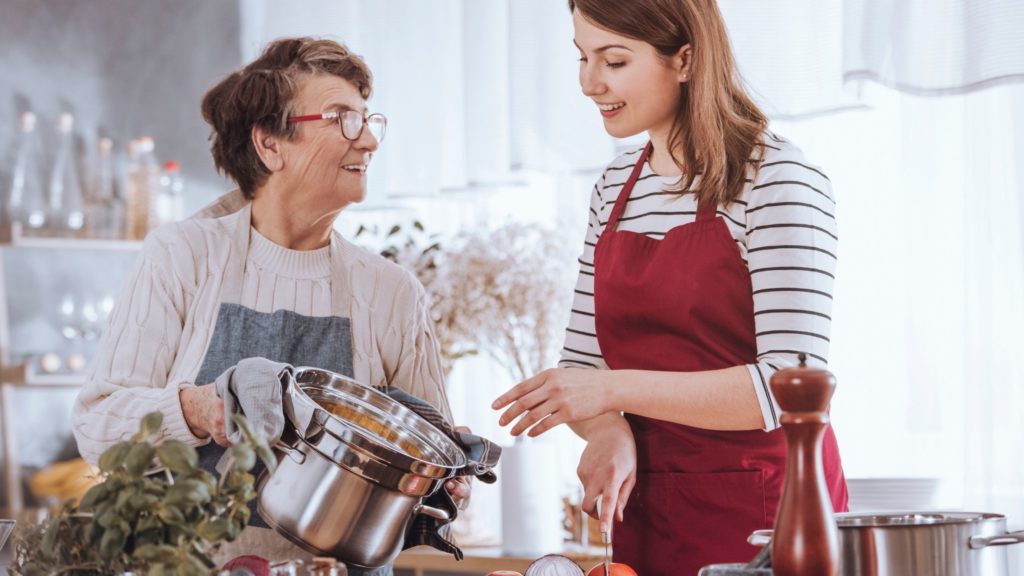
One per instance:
[(286, 568), (324, 566)]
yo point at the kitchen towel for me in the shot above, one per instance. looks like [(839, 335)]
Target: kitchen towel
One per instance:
[(252, 388)]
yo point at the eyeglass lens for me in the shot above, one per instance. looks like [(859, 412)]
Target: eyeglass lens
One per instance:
[(352, 125)]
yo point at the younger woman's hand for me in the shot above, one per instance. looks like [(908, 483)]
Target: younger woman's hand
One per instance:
[(553, 397), (607, 470)]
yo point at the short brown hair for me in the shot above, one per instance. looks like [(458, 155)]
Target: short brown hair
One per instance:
[(262, 93), (717, 128)]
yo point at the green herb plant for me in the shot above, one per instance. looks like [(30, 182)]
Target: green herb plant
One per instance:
[(170, 522)]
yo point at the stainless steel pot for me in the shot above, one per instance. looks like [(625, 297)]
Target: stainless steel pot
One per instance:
[(920, 543), (347, 486)]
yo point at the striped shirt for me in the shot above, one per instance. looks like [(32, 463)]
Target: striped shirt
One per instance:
[(784, 227)]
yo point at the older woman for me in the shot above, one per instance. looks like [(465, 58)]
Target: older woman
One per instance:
[(261, 272)]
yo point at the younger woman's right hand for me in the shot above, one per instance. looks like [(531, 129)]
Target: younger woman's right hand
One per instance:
[(608, 471), (204, 412)]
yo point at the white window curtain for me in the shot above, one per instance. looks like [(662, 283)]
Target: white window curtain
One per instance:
[(804, 58), (471, 89), (927, 171), (934, 47), (790, 53), (928, 301)]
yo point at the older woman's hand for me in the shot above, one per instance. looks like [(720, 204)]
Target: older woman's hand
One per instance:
[(460, 487), (204, 412)]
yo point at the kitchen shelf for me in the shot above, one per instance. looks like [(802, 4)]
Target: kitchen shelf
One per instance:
[(19, 375), (16, 240), (421, 560), (23, 375)]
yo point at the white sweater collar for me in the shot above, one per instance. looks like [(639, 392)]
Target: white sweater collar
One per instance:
[(300, 264)]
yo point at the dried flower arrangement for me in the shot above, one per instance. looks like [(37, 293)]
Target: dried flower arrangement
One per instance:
[(509, 290), (505, 291), (421, 253)]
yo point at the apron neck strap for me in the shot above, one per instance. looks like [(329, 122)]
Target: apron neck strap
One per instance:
[(341, 281), (706, 211), (234, 275), (627, 189)]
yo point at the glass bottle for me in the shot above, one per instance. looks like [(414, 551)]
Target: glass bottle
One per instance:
[(25, 203), (105, 210), (143, 188), (66, 205), (170, 207)]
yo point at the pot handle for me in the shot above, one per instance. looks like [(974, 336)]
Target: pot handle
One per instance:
[(1000, 540), (760, 537), (290, 451), (431, 511)]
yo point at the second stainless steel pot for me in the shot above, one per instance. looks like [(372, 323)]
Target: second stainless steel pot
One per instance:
[(931, 543)]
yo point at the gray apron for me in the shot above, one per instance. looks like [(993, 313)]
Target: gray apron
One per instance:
[(282, 336)]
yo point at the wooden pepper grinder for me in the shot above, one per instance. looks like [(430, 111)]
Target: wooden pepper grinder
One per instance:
[(805, 540)]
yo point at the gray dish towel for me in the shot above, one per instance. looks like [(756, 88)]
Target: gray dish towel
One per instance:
[(254, 387), (482, 456)]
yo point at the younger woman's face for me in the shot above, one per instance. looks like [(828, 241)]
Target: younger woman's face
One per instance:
[(634, 87)]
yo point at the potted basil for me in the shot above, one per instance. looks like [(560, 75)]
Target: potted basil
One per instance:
[(171, 522)]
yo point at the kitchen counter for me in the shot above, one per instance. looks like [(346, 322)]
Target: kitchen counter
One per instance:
[(421, 561)]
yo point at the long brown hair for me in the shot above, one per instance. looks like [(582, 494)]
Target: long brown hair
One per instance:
[(717, 128), (261, 94)]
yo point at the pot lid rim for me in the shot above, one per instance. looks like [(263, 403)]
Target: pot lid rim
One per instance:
[(440, 444), (940, 518)]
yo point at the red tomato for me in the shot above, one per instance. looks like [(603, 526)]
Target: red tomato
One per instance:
[(614, 569)]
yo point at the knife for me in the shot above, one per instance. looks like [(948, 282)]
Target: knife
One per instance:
[(606, 539)]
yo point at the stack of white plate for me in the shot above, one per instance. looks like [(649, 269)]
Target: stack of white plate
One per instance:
[(870, 494)]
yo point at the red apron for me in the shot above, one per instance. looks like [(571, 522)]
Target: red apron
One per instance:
[(684, 304)]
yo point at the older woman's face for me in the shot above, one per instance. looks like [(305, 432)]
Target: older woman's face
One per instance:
[(320, 164)]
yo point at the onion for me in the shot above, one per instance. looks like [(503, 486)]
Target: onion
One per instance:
[(554, 565)]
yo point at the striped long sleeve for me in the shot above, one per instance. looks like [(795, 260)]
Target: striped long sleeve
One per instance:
[(784, 228)]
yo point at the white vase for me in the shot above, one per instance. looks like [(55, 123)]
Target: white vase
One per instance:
[(531, 506)]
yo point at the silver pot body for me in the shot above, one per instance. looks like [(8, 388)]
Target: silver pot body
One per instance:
[(920, 543), (332, 511), (348, 489), (924, 544)]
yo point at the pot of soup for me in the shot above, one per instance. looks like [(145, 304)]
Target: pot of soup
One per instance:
[(351, 478)]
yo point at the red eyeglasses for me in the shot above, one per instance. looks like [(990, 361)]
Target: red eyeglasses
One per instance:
[(351, 123)]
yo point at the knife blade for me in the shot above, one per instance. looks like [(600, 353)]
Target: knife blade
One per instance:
[(606, 539)]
